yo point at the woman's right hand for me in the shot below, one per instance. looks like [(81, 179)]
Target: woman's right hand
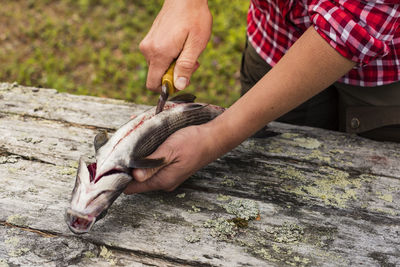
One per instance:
[(180, 31)]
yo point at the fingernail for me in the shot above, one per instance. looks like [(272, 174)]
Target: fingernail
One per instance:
[(181, 83)]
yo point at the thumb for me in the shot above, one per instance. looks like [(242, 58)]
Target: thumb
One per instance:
[(187, 62), (142, 175)]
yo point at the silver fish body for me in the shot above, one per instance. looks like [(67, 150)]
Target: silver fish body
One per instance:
[(98, 184)]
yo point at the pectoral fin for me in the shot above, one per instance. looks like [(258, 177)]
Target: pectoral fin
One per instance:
[(100, 139), (147, 163)]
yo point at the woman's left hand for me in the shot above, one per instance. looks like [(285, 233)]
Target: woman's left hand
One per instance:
[(185, 152)]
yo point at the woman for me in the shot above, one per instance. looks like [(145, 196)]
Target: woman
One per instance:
[(338, 58)]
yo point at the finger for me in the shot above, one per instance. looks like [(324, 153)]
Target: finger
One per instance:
[(142, 175), (187, 63), (155, 72), (159, 181), (196, 66), (158, 62), (141, 187)]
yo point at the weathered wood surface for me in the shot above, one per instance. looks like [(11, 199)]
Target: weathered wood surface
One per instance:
[(311, 197)]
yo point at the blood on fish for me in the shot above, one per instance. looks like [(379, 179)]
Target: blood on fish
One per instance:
[(166, 107), (130, 131), (169, 106), (92, 170), (113, 171), (136, 126)]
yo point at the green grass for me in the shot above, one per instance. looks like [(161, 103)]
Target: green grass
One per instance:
[(91, 47)]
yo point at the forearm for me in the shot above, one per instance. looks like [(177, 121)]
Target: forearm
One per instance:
[(308, 67)]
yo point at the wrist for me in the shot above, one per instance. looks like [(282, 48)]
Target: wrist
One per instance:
[(218, 137), (210, 141)]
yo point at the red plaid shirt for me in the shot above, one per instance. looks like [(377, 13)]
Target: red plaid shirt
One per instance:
[(363, 31)]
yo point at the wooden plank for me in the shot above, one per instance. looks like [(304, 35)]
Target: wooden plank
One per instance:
[(324, 198), (163, 225), (48, 103), (291, 143), (45, 140), (266, 177), (156, 224), (21, 246)]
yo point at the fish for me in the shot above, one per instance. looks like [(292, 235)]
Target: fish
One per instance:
[(99, 184)]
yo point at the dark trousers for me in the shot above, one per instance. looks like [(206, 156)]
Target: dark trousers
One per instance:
[(372, 112)]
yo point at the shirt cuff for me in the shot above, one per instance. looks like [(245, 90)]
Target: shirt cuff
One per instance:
[(352, 36)]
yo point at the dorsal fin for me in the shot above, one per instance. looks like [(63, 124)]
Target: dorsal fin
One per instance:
[(183, 98), (194, 106)]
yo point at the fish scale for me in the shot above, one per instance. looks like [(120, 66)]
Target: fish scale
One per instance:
[(148, 144)]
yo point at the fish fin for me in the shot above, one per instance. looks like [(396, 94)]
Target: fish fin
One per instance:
[(194, 106), (183, 98), (102, 215), (83, 174), (100, 139), (147, 163)]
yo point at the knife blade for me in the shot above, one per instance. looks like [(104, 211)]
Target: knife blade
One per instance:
[(167, 87)]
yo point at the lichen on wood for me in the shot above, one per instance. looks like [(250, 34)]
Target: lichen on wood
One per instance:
[(242, 208)]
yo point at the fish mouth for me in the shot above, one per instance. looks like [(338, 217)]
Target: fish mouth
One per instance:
[(79, 223)]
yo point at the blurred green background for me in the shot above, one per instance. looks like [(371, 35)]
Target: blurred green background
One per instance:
[(91, 47)]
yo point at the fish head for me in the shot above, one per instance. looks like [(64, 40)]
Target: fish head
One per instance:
[(91, 198)]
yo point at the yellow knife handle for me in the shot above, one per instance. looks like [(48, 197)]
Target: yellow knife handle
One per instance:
[(168, 79)]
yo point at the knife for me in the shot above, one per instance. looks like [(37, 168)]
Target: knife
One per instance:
[(167, 87)]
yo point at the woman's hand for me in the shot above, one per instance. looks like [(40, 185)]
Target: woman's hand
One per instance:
[(184, 155), (180, 31)]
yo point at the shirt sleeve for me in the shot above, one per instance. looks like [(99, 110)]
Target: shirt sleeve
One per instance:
[(359, 30)]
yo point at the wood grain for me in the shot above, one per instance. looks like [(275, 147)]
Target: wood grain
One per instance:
[(312, 197)]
